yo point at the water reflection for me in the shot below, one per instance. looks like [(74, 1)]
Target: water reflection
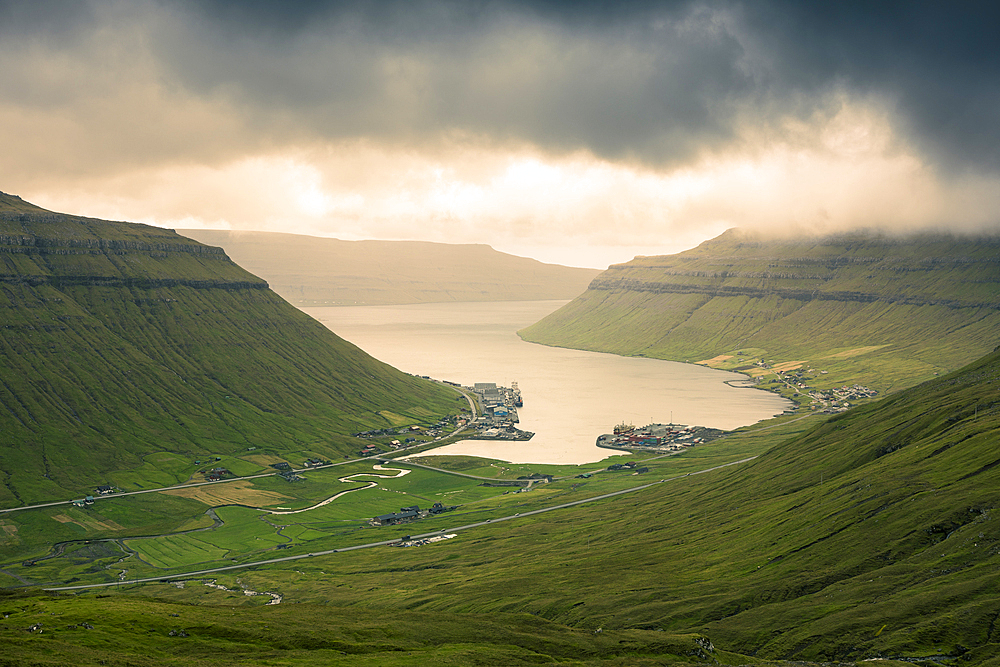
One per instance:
[(570, 396)]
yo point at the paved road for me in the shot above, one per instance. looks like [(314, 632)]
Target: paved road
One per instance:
[(445, 471), (239, 479), (470, 526), (162, 488)]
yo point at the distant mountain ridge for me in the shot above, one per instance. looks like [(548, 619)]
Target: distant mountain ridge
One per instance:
[(919, 306), (819, 276), (118, 340), (314, 271)]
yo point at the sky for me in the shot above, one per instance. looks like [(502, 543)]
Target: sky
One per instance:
[(582, 133)]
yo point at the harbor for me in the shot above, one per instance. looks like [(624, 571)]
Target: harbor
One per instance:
[(663, 438), (498, 412), (569, 396)]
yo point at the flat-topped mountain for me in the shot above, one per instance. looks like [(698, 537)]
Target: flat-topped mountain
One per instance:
[(312, 271), (891, 311), (868, 535), (119, 340)]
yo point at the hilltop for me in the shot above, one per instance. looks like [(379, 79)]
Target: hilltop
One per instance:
[(120, 341), (888, 312), (312, 271)]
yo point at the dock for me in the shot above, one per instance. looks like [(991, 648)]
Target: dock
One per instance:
[(663, 438), (499, 412)]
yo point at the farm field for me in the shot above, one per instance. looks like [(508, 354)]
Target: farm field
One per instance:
[(212, 525), (821, 521)]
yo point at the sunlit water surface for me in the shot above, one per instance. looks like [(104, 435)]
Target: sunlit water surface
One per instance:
[(570, 396)]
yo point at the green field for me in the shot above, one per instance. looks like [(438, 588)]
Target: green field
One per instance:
[(864, 535), (248, 534)]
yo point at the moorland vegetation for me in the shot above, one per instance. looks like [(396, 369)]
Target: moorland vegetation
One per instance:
[(121, 341), (880, 311), (870, 534)]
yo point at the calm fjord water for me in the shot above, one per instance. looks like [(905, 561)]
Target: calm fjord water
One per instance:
[(570, 396)]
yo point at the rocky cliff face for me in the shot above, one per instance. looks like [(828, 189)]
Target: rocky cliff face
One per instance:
[(925, 270), (930, 303)]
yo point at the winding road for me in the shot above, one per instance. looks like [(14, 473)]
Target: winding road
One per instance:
[(470, 526), (259, 475), (399, 473)]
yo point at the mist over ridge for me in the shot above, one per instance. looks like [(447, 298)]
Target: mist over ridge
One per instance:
[(313, 271)]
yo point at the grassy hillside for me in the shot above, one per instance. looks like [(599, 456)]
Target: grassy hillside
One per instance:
[(311, 271), (119, 341), (886, 312), (871, 535), (874, 534), (139, 633)]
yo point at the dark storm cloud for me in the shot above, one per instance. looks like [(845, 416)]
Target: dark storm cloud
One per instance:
[(939, 62), (658, 81)]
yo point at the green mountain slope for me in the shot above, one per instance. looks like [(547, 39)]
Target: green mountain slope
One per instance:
[(887, 312), (875, 534), (118, 340), (301, 635), (312, 271)]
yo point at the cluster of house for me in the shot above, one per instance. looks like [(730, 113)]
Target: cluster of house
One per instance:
[(372, 450), (215, 474), (432, 430), (839, 399), (629, 465), (408, 514), (286, 473), (665, 437), (375, 433), (102, 490)]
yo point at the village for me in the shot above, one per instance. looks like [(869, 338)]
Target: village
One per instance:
[(831, 400), (411, 435), (664, 438), (839, 400), (408, 514), (499, 412)]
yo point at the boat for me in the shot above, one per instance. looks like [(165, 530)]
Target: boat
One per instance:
[(624, 428)]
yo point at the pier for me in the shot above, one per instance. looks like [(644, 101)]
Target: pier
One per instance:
[(499, 412), (663, 438)]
